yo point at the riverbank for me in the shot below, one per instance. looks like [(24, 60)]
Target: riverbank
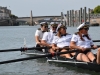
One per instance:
[(6, 22)]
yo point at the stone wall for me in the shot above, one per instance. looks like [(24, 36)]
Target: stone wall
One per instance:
[(4, 23), (8, 23)]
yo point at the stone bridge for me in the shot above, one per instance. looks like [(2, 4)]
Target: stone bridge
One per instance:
[(37, 19)]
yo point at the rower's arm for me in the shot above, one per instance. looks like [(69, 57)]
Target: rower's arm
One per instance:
[(73, 42), (37, 39), (94, 46), (45, 43), (73, 45), (54, 46)]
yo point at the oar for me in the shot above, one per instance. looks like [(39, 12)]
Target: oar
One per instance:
[(96, 40), (36, 57), (31, 48), (22, 49), (98, 46)]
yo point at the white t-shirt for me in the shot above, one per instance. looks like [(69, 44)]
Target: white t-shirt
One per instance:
[(50, 30), (86, 44), (39, 33), (48, 37), (62, 41)]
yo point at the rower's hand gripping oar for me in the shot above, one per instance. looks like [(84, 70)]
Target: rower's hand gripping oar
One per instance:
[(36, 57)]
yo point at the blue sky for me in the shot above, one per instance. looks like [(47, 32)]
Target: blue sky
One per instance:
[(22, 8)]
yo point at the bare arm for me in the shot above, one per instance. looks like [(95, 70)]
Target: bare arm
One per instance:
[(37, 33), (73, 45), (94, 46), (37, 40), (54, 47), (45, 43)]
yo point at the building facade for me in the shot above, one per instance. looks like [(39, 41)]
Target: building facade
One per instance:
[(4, 13)]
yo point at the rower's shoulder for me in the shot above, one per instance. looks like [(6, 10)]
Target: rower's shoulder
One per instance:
[(55, 37), (46, 34), (76, 33), (68, 34), (39, 28)]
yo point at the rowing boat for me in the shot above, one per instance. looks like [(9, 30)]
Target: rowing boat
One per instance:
[(67, 61)]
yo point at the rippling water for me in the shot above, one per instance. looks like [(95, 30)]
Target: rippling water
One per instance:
[(13, 37)]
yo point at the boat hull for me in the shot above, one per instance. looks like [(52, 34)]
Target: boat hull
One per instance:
[(68, 61)]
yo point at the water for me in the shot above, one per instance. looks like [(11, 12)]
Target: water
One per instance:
[(13, 37)]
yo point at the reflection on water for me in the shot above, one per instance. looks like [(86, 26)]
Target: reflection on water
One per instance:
[(13, 37)]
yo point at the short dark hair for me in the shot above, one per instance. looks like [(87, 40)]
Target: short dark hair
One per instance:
[(84, 27), (62, 26), (44, 24)]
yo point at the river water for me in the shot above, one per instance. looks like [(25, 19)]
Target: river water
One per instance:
[(13, 37)]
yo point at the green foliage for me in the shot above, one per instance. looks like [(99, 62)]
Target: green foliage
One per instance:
[(96, 9), (13, 16), (92, 12)]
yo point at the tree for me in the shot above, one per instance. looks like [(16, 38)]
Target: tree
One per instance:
[(96, 9), (92, 12), (13, 16)]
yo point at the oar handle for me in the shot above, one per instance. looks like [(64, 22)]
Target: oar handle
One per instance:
[(96, 40), (98, 46)]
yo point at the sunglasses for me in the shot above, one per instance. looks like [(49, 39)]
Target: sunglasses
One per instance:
[(54, 27), (86, 29), (46, 26)]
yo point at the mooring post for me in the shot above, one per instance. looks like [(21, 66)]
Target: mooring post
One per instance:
[(85, 15), (68, 18), (65, 21), (72, 17), (62, 17), (76, 18), (89, 15), (81, 15)]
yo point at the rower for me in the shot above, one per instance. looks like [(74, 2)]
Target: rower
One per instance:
[(48, 36), (61, 41), (51, 25), (82, 41), (39, 33)]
